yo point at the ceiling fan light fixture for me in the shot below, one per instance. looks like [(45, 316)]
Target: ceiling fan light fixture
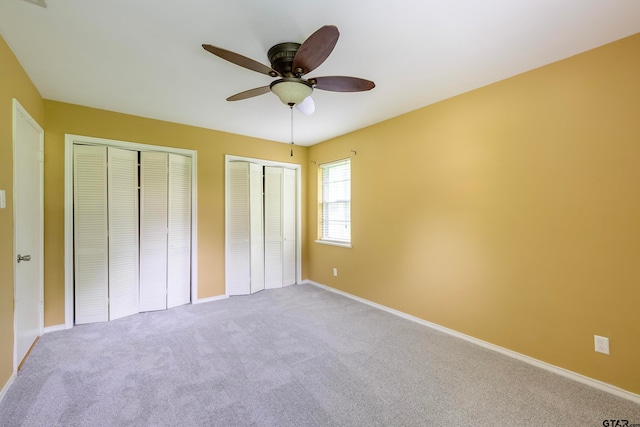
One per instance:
[(291, 91)]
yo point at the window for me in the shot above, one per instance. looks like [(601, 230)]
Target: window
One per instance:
[(335, 202)]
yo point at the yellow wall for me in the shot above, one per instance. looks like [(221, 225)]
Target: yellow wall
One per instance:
[(14, 83), (510, 213), (212, 146)]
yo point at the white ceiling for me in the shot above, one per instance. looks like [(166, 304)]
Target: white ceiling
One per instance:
[(144, 57)]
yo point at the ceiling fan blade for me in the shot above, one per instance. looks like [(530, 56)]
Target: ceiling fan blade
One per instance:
[(342, 84), (307, 106), (250, 93), (240, 60), (315, 49)]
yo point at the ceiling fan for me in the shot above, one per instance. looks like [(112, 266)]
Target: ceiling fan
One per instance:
[(290, 62)]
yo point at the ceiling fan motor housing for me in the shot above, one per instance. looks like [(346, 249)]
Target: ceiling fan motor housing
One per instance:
[(281, 58)]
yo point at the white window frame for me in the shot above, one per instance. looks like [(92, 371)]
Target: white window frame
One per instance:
[(329, 239)]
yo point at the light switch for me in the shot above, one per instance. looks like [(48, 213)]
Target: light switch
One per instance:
[(3, 199)]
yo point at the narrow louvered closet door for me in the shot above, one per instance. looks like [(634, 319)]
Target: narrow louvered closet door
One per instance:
[(90, 234), (123, 232), (239, 263), (179, 231), (245, 267), (153, 230), (289, 195), (273, 226), (256, 237)]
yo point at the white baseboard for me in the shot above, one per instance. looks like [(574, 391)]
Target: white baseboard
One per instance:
[(7, 385), (54, 328), (527, 359), (211, 299)]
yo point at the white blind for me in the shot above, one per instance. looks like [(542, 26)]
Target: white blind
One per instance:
[(335, 201)]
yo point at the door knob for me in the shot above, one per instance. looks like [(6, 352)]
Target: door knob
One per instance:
[(24, 257)]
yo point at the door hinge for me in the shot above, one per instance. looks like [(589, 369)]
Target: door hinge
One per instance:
[(41, 156)]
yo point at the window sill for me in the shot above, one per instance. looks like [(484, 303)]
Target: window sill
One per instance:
[(333, 243)]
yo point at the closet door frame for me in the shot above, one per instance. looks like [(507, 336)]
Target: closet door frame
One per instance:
[(230, 158), (70, 141)]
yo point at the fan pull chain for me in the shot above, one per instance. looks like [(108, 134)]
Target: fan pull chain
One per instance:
[(291, 106)]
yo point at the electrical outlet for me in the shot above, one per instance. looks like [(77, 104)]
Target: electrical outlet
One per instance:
[(335, 272), (602, 344)]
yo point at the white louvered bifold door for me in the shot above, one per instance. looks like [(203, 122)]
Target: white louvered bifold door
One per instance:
[(289, 227), (153, 230), (90, 234), (256, 238), (123, 232), (179, 231), (273, 226), (239, 262)]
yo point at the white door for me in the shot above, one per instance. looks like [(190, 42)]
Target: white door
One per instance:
[(280, 226), (256, 236), (289, 227), (179, 231), (90, 234), (273, 226), (153, 230), (239, 255), (245, 231), (165, 230), (28, 229), (122, 185)]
